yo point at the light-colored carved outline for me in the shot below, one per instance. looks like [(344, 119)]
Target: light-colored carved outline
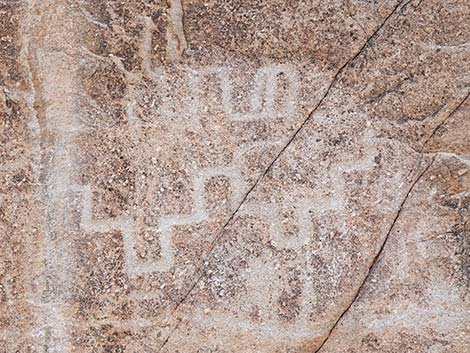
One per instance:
[(264, 90), (300, 328), (262, 101), (125, 224)]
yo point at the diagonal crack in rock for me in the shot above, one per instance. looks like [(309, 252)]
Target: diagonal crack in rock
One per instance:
[(438, 126), (397, 8), (376, 257)]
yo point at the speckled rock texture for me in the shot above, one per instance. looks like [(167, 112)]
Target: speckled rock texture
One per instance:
[(234, 176)]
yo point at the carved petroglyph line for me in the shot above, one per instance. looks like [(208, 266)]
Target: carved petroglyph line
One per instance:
[(36, 132), (175, 37), (304, 210), (146, 48), (199, 215), (267, 99), (450, 47), (301, 327), (335, 202), (289, 333), (89, 18), (125, 225), (291, 140), (270, 212), (264, 92), (55, 124)]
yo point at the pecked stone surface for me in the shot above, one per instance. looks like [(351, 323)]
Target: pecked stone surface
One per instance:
[(234, 176)]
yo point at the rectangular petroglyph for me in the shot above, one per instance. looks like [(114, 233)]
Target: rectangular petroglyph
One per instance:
[(273, 92)]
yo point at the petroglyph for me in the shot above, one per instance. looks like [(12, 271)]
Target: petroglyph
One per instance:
[(55, 126), (271, 214), (175, 37), (234, 176), (306, 214), (126, 226), (267, 100), (274, 92)]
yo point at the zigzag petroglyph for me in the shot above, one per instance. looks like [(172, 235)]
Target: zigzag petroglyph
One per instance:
[(306, 209), (126, 226)]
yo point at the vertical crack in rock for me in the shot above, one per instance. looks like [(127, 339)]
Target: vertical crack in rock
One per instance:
[(397, 8), (376, 257), (55, 125)]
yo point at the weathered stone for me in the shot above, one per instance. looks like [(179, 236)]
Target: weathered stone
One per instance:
[(234, 176)]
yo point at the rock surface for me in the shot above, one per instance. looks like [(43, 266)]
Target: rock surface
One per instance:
[(234, 176)]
